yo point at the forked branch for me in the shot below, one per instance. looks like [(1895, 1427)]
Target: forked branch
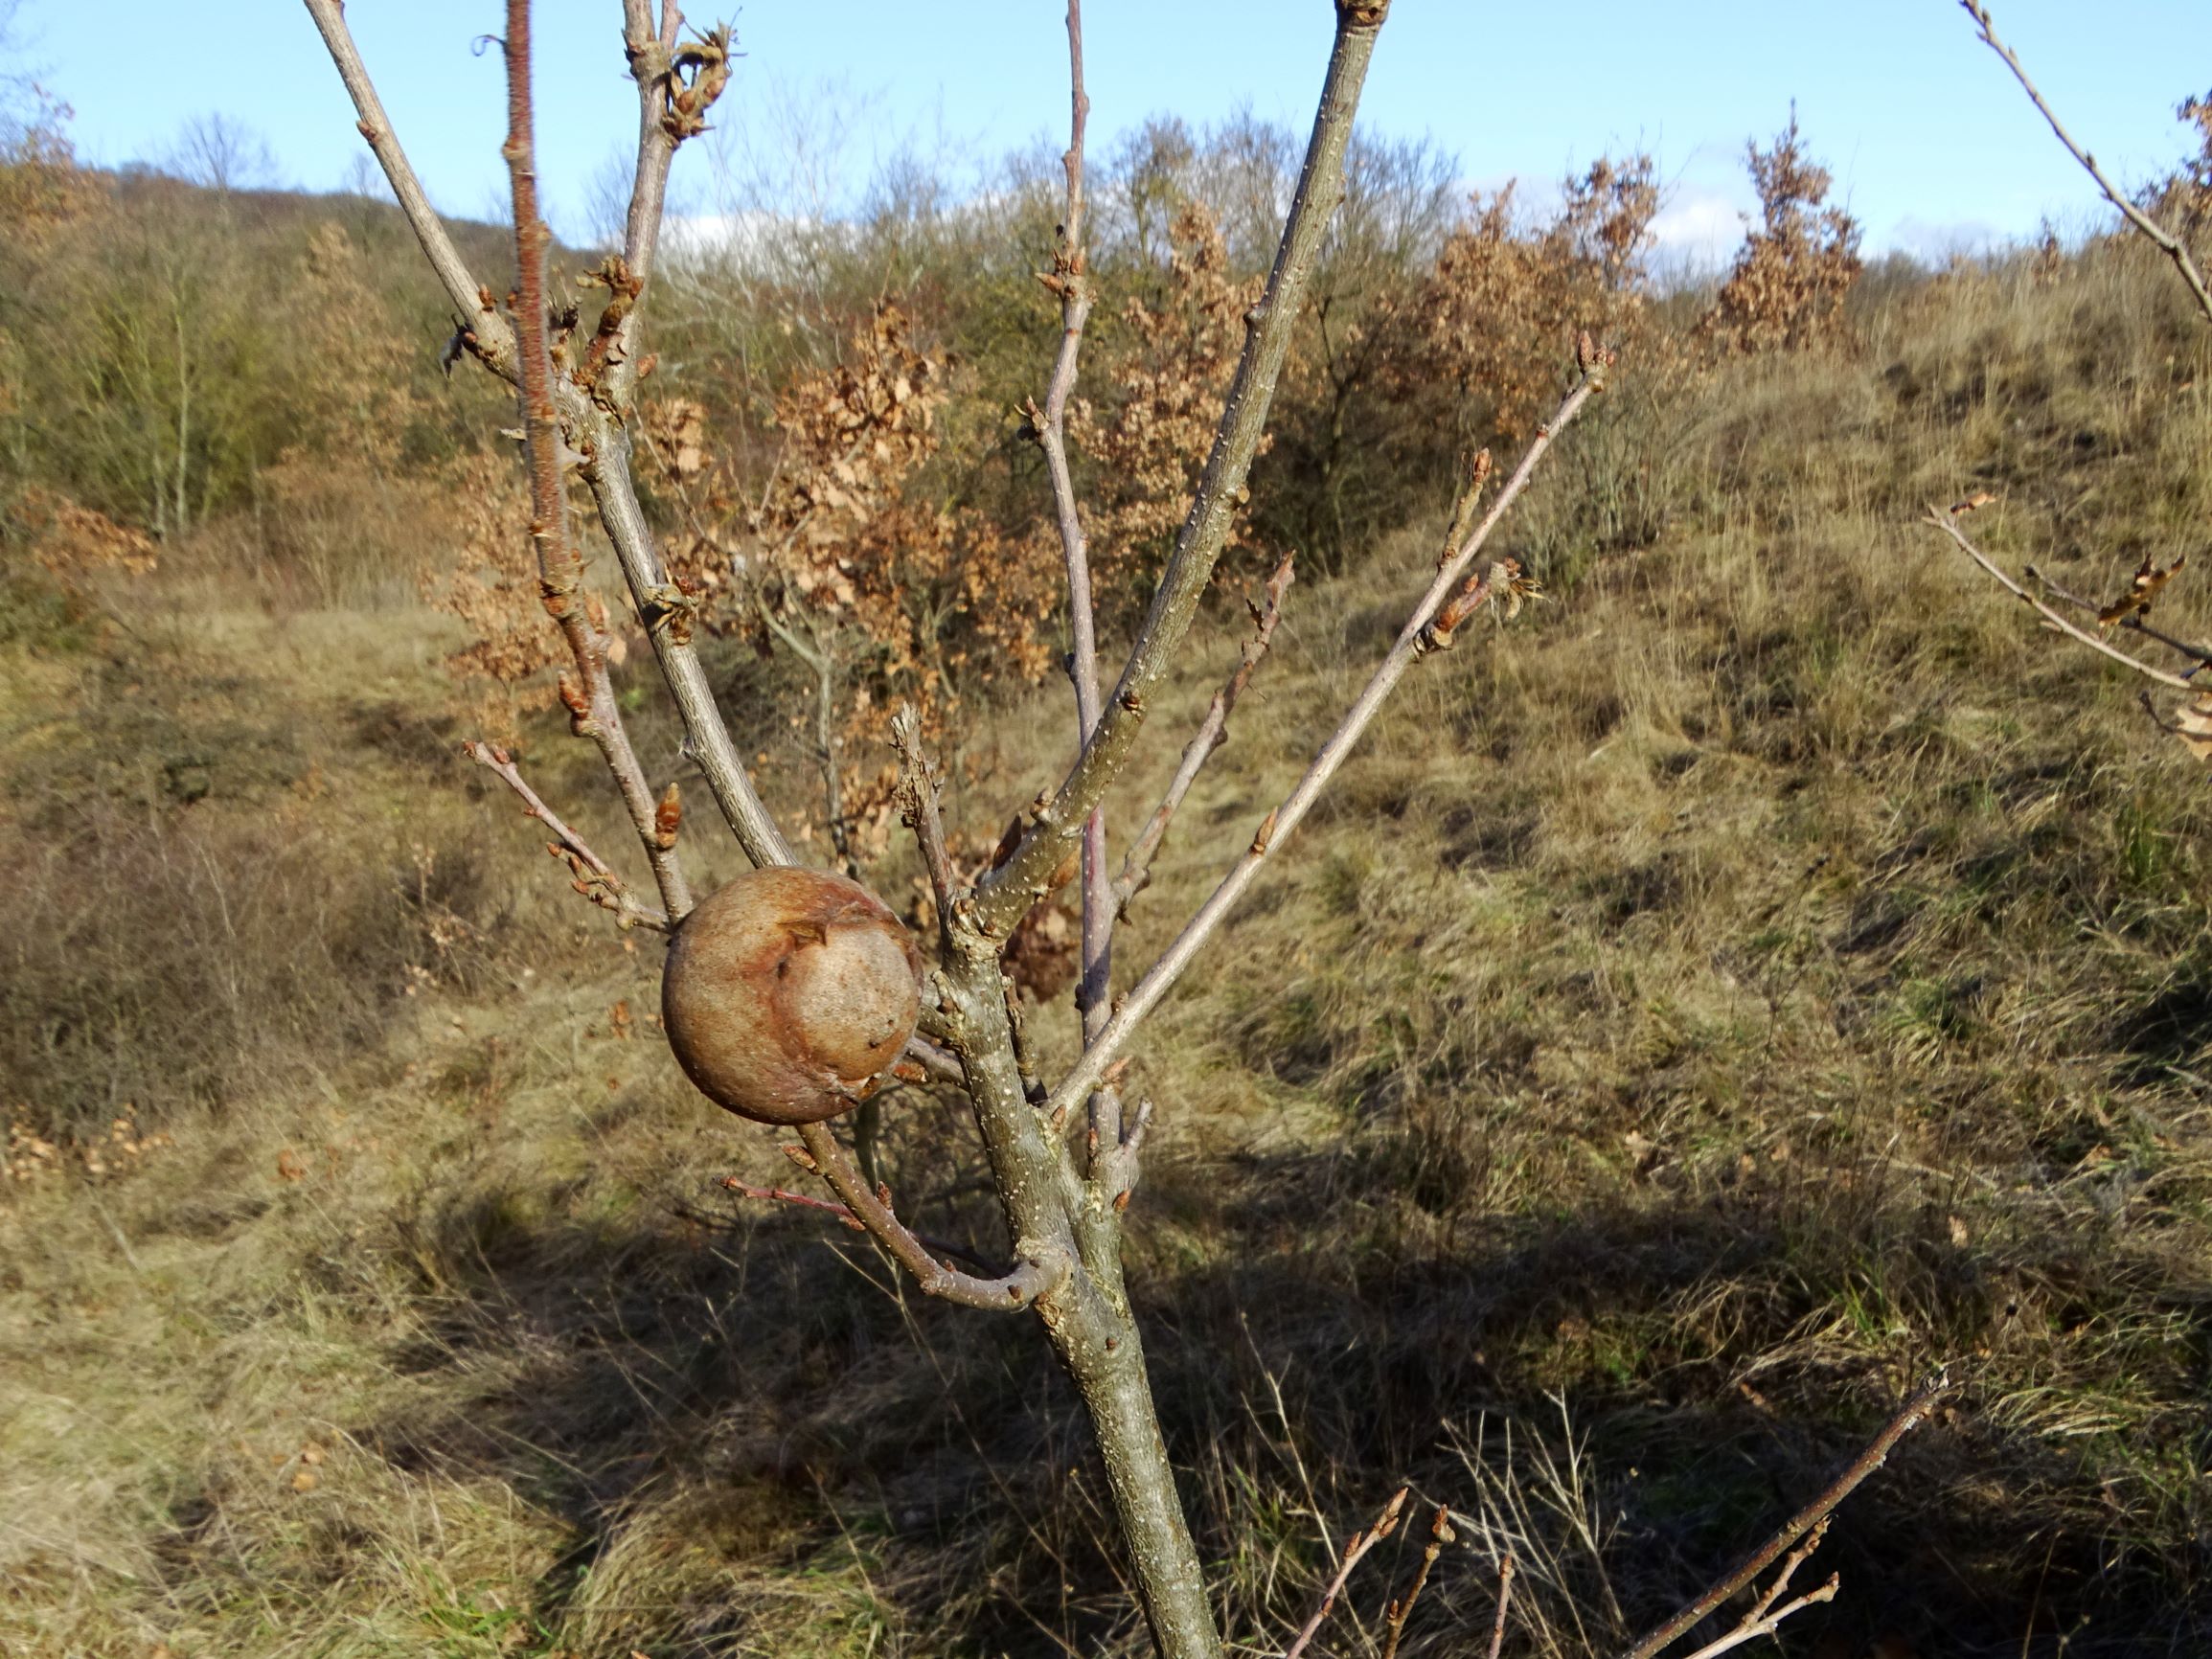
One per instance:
[(2134, 620), (1006, 895), (586, 688), (1161, 977), (1811, 1516), (1355, 1553), (1948, 523), (594, 877), (589, 421), (2165, 240), (1038, 1273)]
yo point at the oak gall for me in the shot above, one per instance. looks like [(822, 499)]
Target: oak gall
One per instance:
[(788, 994)]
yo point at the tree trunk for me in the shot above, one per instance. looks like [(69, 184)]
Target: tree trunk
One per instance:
[(1103, 1350)]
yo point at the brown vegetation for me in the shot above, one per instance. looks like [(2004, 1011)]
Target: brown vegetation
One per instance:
[(1779, 972)]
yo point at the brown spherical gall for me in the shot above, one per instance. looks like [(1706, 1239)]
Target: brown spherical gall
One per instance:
[(789, 992)]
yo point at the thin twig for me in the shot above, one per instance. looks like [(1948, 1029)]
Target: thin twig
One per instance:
[(1948, 525), (1505, 1570), (918, 804), (589, 429), (1914, 1411), (1162, 975), (1070, 280), (589, 692), (2201, 655), (1797, 1557), (2164, 239), (1752, 1630), (594, 877), (1212, 732), (487, 333), (1440, 1534), (1006, 895), (844, 1214), (1385, 1523), (1034, 1277), (653, 66), (1116, 1169)]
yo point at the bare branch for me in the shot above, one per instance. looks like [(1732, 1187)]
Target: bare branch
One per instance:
[(1115, 1167), (590, 429), (588, 692), (487, 332), (675, 89), (1504, 1600), (667, 611), (1036, 1276), (844, 1214), (1797, 1557), (1752, 1630), (1385, 1523), (917, 797), (1163, 975), (929, 1062), (1440, 1534), (2201, 655), (593, 876), (1914, 1411), (1069, 279), (1212, 732), (1949, 524), (2164, 239), (1006, 895)]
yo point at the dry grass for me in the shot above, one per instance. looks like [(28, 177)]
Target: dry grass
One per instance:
[(1764, 970)]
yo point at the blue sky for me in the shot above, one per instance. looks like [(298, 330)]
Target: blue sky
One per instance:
[(1930, 141)]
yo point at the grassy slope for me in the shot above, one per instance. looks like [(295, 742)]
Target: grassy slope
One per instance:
[(1765, 969)]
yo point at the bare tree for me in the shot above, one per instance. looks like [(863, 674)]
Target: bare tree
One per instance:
[(222, 154), (1065, 1156)]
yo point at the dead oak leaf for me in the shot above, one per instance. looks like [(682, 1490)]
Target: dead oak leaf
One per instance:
[(2193, 725), (2148, 579)]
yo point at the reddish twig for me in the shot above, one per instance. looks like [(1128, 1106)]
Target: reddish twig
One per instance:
[(1036, 1276), (1212, 732), (1440, 1534), (585, 688), (1162, 975), (1504, 1600), (593, 876), (1385, 1523), (844, 1214), (1812, 1516)]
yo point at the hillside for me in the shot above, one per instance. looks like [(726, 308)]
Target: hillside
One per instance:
[(1764, 969)]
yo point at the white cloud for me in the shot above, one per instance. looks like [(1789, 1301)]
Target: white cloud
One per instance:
[(1696, 230), (1936, 243)]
